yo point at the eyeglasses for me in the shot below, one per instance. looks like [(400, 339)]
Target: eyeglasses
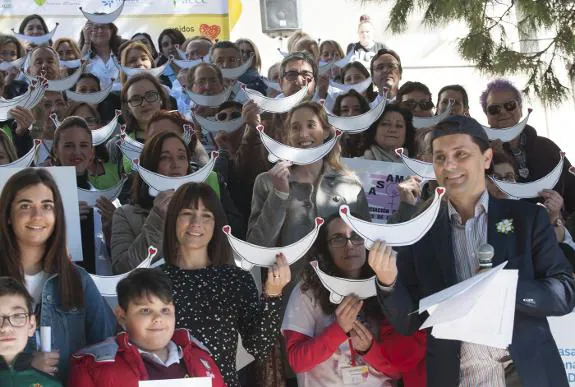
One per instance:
[(246, 53), (102, 27), (150, 97), (206, 81), (386, 66), (509, 177), (412, 104), (294, 75), (16, 320), (341, 241), (227, 116), (495, 108)]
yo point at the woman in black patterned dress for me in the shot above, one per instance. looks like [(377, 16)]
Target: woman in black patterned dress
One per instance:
[(214, 299)]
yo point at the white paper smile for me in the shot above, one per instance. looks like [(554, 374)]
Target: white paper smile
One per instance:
[(37, 40), (107, 284), (360, 87), (71, 64), (186, 63), (155, 72), (130, 153), (91, 197), (60, 84), (507, 134), (27, 100), (401, 234), (252, 255), (324, 68), (236, 72), (214, 126), (357, 124), (99, 136), (26, 160), (300, 156), (428, 122), (272, 85), (342, 287), (159, 183), (277, 105), (532, 189), (90, 98), (210, 100), (106, 18), (341, 63), (17, 64), (420, 168)]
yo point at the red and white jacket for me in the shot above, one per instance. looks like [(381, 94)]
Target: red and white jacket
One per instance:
[(117, 363)]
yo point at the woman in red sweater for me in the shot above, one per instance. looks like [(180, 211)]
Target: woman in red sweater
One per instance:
[(330, 344)]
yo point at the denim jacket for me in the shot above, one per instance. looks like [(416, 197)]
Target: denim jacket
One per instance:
[(74, 329)]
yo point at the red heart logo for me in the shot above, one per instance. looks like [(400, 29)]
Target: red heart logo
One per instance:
[(137, 161), (440, 190), (118, 113), (529, 110), (227, 229), (211, 32), (260, 128), (338, 133), (215, 154), (572, 169), (344, 210), (319, 221), (562, 154), (399, 151), (152, 251), (38, 142)]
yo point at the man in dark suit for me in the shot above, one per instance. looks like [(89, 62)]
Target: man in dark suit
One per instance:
[(447, 255)]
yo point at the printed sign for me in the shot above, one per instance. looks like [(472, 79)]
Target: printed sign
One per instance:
[(379, 180), (562, 330)]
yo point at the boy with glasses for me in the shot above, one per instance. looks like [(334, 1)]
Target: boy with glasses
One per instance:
[(17, 324)]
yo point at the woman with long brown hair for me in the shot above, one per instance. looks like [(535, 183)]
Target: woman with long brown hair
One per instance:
[(325, 339), (140, 224), (101, 42), (216, 300), (33, 244)]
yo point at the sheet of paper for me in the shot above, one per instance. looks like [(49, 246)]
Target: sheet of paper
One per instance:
[(188, 382), (497, 301), (458, 306), (457, 289)]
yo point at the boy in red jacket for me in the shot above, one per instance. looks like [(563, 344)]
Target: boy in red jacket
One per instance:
[(150, 348)]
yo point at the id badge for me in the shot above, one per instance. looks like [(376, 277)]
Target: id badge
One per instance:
[(355, 375)]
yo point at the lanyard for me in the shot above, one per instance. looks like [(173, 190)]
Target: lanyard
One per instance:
[(353, 353)]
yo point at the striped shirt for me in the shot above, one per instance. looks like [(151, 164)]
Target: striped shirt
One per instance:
[(480, 365)]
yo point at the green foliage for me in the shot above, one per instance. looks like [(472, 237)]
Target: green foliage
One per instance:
[(487, 45)]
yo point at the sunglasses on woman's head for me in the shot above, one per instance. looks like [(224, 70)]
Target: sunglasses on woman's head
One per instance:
[(228, 116), (495, 108)]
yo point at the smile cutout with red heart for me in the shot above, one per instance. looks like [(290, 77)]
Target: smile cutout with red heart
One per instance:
[(211, 32)]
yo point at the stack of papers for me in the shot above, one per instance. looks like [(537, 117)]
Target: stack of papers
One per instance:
[(479, 310)]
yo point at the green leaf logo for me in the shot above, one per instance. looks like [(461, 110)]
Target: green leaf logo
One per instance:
[(40, 2)]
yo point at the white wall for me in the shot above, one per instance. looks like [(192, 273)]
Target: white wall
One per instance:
[(428, 56)]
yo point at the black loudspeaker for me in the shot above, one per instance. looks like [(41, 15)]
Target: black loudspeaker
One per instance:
[(280, 15)]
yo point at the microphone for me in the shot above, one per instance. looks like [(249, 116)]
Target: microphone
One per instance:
[(485, 254)]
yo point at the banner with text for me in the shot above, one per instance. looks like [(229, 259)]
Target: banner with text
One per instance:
[(380, 180), (191, 17), (562, 330)]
